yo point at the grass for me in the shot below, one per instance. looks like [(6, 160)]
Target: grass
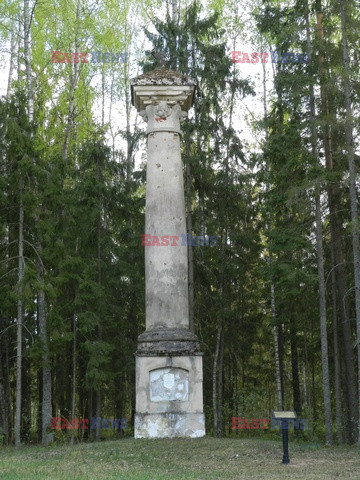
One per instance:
[(179, 459)]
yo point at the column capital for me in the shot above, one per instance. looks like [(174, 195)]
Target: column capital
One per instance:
[(163, 117), (162, 85)]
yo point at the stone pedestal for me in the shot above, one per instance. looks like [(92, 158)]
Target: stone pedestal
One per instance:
[(169, 401)]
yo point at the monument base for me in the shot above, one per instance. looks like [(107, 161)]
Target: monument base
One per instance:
[(169, 396), (169, 425)]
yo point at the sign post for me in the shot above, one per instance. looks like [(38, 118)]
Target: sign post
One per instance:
[(284, 418)]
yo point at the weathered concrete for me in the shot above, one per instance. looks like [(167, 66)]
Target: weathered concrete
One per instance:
[(160, 340), (168, 366), (169, 396), (189, 366), (169, 425), (165, 266)]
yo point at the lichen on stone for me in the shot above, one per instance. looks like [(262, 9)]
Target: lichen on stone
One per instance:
[(162, 76)]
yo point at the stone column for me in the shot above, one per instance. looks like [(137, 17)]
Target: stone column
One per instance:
[(169, 400)]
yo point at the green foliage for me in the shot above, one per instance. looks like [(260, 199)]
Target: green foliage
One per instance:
[(84, 211)]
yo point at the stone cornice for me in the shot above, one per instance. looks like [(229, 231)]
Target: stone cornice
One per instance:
[(162, 85)]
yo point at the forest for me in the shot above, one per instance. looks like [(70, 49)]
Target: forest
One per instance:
[(271, 171)]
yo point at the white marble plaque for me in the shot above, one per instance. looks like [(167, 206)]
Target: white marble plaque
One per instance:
[(169, 384)]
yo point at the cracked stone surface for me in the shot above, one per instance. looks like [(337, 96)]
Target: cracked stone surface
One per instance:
[(169, 384), (170, 425)]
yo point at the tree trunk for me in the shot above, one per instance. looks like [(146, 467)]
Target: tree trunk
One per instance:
[(295, 368), (214, 376), (21, 267), (99, 279), (323, 327), (26, 401), (276, 349), (349, 127), (27, 58), (73, 400), (320, 265), (46, 435), (174, 11), (4, 411), (337, 372), (220, 385), (333, 197), (46, 369), (279, 390), (39, 409), (46, 402), (98, 415), (219, 350), (27, 24), (13, 44), (73, 83), (280, 330), (307, 381)]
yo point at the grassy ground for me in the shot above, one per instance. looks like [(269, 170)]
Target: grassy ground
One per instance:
[(179, 459)]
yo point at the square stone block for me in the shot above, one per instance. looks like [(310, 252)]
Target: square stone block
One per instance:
[(169, 396)]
